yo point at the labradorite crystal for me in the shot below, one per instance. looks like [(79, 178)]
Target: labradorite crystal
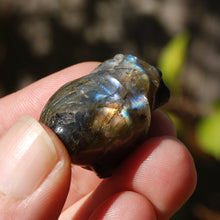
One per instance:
[(104, 116)]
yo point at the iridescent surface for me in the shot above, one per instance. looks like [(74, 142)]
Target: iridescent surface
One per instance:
[(104, 116)]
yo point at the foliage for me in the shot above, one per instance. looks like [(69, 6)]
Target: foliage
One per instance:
[(208, 134), (172, 59)]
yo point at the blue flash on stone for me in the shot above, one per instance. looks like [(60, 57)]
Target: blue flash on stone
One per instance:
[(138, 102), (134, 61)]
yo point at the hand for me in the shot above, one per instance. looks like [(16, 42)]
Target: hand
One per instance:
[(36, 173)]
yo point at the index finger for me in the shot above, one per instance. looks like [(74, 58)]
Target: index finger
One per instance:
[(31, 100)]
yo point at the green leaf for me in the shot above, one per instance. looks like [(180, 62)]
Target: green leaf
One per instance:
[(208, 134), (172, 59)]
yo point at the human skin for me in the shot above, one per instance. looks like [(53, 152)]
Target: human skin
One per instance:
[(152, 183)]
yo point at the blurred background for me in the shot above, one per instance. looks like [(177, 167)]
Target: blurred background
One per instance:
[(182, 38)]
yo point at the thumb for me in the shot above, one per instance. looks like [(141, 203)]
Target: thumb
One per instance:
[(35, 172)]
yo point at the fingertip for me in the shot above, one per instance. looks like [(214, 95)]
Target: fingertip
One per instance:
[(162, 170), (35, 172), (167, 177)]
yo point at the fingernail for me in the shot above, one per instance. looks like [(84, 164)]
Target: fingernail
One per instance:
[(27, 156)]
